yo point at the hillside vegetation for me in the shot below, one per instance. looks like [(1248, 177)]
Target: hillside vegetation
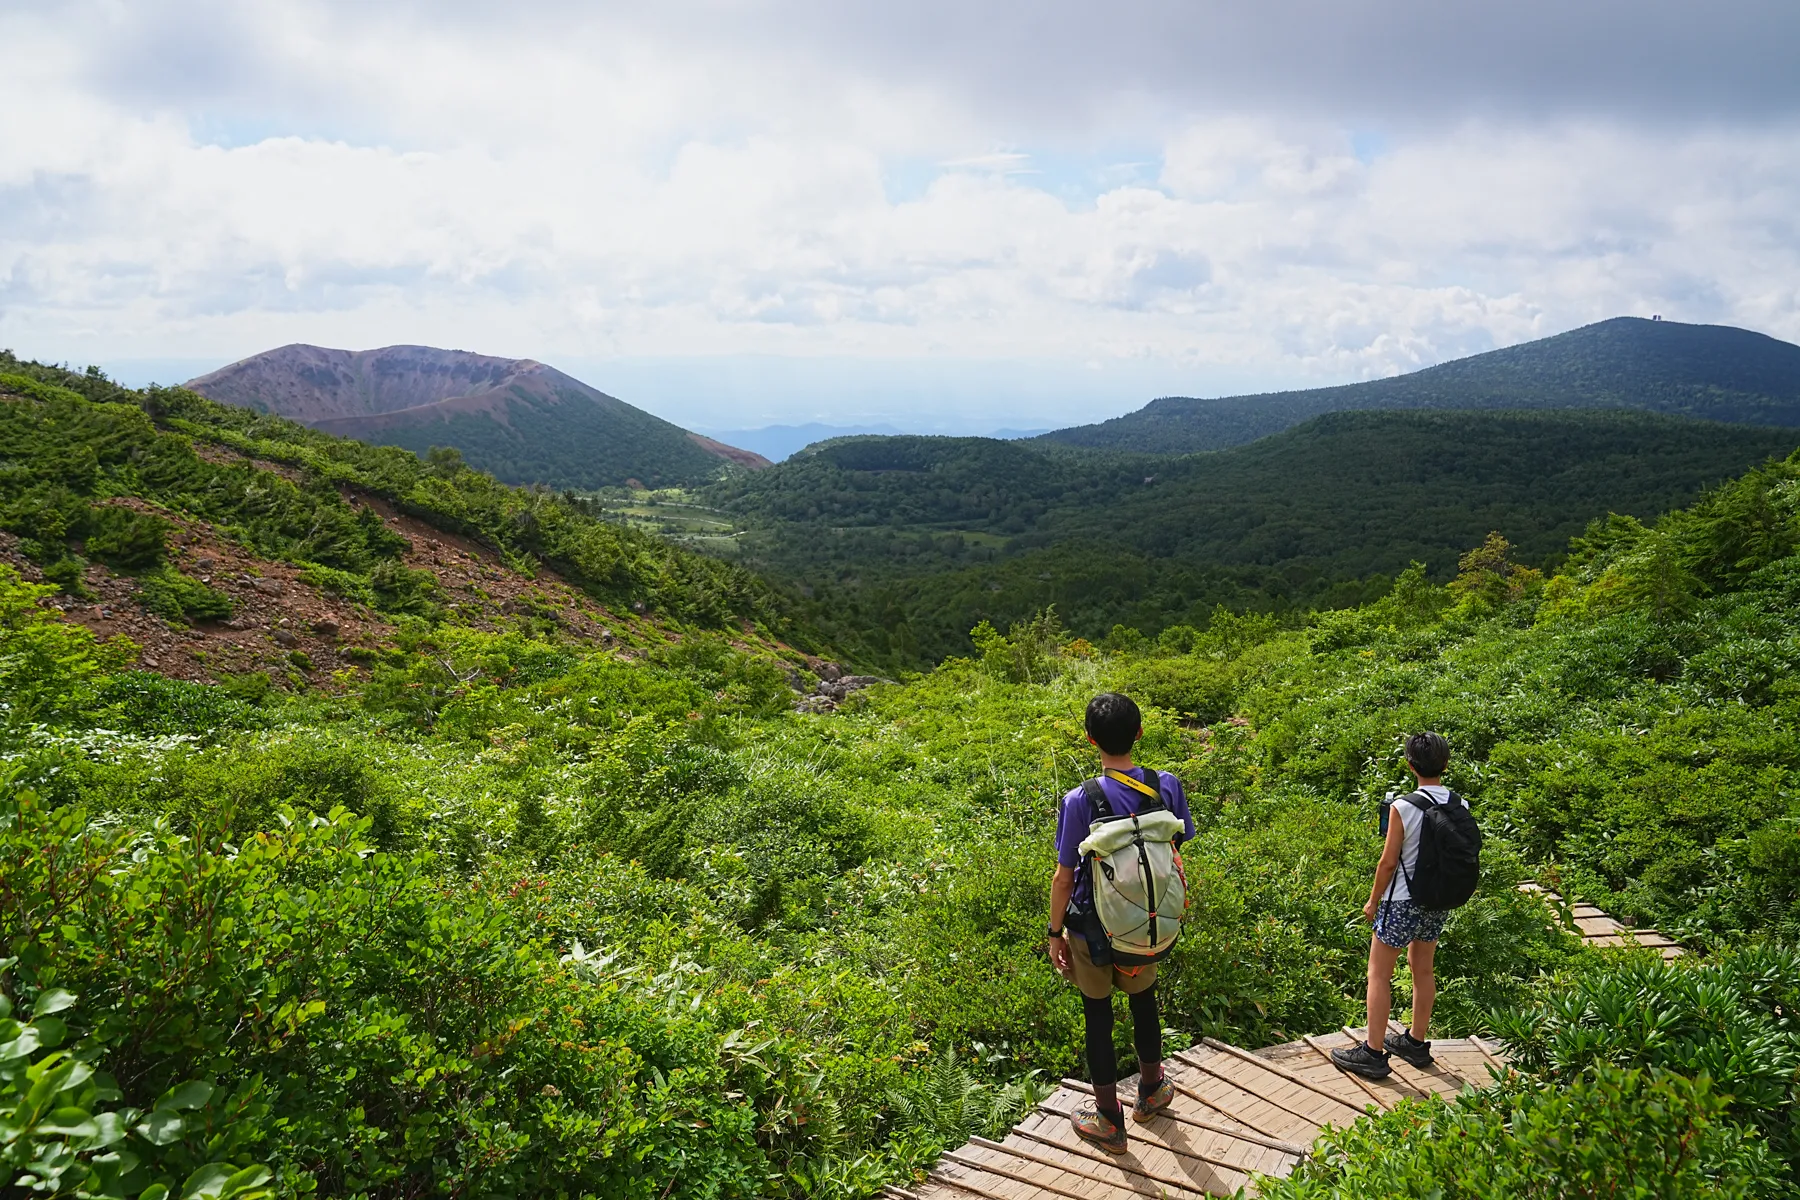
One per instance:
[(505, 913), (76, 446), (521, 421), (1713, 372), (904, 544)]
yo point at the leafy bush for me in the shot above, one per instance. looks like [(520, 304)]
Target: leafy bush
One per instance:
[(126, 538), (147, 703), (169, 593), (1606, 1133), (59, 1142)]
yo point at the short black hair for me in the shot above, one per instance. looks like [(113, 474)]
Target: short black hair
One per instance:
[(1428, 753), (1113, 721)]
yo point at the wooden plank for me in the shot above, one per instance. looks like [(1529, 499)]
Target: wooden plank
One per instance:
[(1398, 1080), (1275, 1068), (973, 1189), (991, 1183), (1262, 1093), (1185, 1160), (1374, 1092), (1090, 1160), (1233, 1129), (1243, 1108), (1080, 1187), (1234, 1126), (1170, 1149)]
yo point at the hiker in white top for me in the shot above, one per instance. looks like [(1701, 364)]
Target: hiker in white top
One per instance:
[(1410, 818), (1401, 924)]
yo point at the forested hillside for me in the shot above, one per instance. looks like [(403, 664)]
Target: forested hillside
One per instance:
[(503, 911), (905, 543), (101, 482), (1713, 372)]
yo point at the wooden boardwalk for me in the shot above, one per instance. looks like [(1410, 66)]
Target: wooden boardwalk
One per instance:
[(1237, 1114), (1598, 929)]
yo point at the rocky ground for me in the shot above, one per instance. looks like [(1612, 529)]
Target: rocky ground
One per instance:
[(285, 626)]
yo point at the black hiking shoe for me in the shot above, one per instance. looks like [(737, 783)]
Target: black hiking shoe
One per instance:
[(1408, 1047), (1360, 1060)]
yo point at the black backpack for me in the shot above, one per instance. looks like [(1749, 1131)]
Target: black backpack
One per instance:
[(1449, 864)]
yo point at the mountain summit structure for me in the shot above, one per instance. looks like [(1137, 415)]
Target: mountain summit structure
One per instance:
[(1714, 372), (516, 418)]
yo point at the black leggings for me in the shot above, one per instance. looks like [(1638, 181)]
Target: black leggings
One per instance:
[(1146, 1034)]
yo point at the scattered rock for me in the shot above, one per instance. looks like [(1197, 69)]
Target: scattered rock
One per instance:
[(838, 689), (203, 563), (237, 623), (286, 638), (326, 629), (830, 672), (269, 587)]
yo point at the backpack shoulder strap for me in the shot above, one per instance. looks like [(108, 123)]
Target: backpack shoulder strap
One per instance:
[(1096, 797), (1150, 788), (1421, 801)]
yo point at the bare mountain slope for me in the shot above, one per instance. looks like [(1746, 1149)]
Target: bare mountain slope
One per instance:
[(519, 419)]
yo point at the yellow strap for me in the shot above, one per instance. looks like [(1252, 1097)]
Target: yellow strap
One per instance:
[(1128, 781)]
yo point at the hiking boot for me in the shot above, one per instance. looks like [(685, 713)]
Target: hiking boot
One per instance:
[(1154, 1103), (1092, 1125), (1360, 1060), (1408, 1047)]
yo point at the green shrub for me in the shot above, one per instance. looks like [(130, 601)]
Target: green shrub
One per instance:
[(169, 593), (1607, 1133), (409, 1038), (48, 668), (125, 538), (189, 1142), (148, 703)]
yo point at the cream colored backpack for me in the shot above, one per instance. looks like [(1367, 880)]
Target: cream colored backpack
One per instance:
[(1140, 890)]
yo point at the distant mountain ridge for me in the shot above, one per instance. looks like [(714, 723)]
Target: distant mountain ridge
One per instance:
[(519, 419), (1714, 372)]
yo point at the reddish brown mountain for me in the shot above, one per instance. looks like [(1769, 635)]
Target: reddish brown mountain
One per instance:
[(519, 419)]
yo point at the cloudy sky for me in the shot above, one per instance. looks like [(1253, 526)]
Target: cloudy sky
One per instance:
[(943, 213)]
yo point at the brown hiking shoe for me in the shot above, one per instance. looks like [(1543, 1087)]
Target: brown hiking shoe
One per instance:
[(1156, 1103), (1094, 1126)]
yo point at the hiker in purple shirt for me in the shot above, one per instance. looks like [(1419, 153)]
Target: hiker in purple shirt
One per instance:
[(1079, 949)]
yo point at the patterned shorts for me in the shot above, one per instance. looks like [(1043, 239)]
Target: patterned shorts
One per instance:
[(1399, 922)]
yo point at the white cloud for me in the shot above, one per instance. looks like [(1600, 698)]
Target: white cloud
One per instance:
[(587, 186)]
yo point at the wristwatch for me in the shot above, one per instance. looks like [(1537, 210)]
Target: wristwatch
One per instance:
[(1056, 933)]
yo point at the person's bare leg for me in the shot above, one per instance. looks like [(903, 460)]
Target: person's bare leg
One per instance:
[(1419, 957), (1382, 958)]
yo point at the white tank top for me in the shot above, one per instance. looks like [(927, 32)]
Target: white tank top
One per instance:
[(1409, 816)]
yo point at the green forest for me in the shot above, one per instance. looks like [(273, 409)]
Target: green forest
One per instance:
[(900, 545), (581, 438), (500, 913)]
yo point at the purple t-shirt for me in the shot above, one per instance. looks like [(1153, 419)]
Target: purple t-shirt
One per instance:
[(1075, 820)]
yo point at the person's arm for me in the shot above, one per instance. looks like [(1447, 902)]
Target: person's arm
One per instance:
[(1062, 885), (1390, 860)]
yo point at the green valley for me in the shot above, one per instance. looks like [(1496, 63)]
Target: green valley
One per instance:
[(901, 545), (502, 907)]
